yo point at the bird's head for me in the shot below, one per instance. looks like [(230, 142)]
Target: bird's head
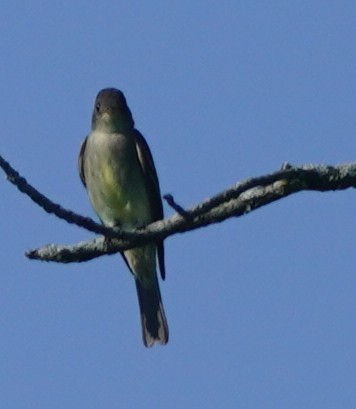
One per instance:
[(111, 113)]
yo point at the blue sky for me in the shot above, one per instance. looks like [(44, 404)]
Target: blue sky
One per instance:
[(261, 308)]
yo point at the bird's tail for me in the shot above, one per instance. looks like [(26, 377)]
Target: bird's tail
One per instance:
[(153, 319)]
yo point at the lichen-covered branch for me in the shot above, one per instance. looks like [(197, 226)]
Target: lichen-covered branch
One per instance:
[(242, 198)]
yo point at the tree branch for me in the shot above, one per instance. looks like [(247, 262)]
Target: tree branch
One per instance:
[(54, 208), (241, 199)]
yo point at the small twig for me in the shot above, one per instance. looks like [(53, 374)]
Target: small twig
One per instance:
[(175, 206)]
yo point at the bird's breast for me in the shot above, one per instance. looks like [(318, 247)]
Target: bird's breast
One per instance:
[(116, 186)]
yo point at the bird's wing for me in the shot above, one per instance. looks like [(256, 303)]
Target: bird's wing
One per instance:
[(81, 161), (152, 184)]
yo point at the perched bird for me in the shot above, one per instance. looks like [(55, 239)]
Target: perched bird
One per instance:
[(117, 169)]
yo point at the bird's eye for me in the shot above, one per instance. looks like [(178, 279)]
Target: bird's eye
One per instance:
[(97, 107)]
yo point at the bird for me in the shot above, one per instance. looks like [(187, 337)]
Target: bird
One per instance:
[(116, 167)]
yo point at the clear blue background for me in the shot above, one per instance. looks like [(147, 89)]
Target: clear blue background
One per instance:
[(261, 308)]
